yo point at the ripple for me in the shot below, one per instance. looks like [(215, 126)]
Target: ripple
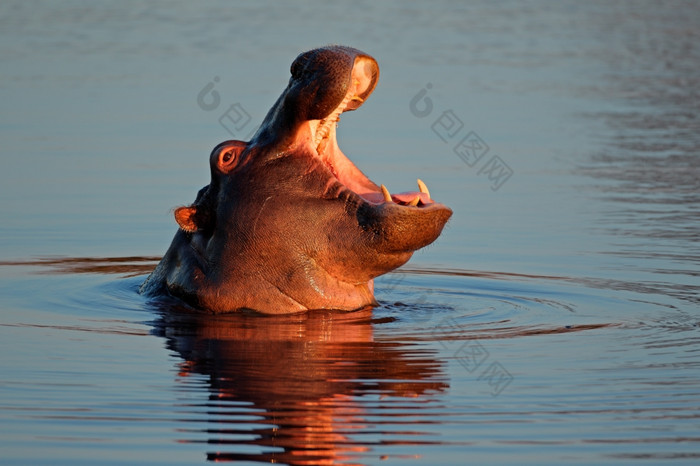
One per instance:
[(463, 305), (338, 386)]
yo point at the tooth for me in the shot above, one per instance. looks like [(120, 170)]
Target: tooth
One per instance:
[(422, 187), (414, 202), (358, 98), (387, 196)]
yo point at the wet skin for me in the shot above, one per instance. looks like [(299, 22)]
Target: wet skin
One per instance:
[(288, 222)]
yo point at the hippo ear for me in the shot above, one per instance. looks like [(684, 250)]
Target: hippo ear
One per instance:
[(225, 156), (185, 217)]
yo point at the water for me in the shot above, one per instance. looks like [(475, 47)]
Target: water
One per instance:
[(555, 320)]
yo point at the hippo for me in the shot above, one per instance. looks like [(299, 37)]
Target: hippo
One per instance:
[(288, 223)]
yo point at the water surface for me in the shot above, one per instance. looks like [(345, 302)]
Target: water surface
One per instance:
[(556, 319)]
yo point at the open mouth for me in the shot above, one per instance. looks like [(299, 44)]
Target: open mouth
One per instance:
[(323, 133)]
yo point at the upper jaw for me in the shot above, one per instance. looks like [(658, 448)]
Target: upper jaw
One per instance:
[(322, 134)]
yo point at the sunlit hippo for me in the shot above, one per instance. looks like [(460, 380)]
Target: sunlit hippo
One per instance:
[(288, 222)]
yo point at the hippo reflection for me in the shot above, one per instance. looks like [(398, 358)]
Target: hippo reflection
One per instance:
[(284, 388), (288, 223)]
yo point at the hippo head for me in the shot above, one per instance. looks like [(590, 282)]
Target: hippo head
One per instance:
[(288, 222)]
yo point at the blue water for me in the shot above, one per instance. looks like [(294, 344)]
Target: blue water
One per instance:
[(555, 320)]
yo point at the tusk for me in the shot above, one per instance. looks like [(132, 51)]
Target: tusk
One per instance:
[(422, 187), (414, 202), (387, 196)]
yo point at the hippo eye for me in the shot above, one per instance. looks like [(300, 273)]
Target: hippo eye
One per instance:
[(228, 158), (227, 155)]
